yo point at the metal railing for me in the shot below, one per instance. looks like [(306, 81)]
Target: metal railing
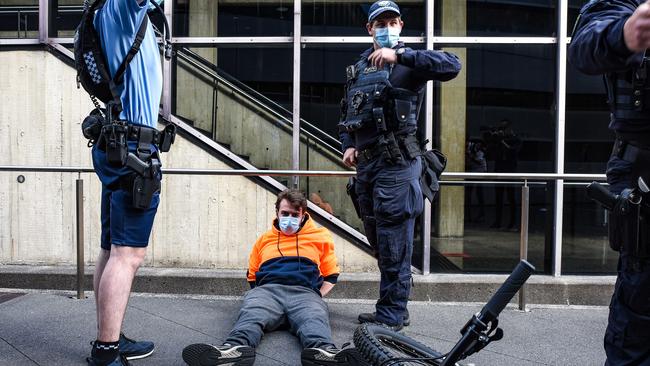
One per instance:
[(450, 178), (262, 102)]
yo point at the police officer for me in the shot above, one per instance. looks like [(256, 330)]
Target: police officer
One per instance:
[(383, 93), (126, 217), (611, 37)]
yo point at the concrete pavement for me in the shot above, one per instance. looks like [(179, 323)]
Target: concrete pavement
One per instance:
[(41, 327)]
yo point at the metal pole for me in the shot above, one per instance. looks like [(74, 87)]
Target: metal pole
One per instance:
[(560, 135), (428, 132), (523, 241), (168, 8), (80, 239), (43, 27), (297, 22)]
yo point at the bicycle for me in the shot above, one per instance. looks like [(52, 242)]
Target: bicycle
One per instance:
[(384, 347)]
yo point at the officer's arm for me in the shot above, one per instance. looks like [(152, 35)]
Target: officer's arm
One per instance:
[(598, 44), (128, 14), (432, 65)]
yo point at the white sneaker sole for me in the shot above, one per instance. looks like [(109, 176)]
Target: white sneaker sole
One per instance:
[(138, 357)]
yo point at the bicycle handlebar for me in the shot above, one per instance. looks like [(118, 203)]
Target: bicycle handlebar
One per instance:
[(506, 292)]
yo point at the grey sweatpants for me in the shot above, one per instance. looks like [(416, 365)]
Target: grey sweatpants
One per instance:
[(268, 307)]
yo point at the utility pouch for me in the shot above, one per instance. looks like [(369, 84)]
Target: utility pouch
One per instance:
[(380, 121), (167, 137), (402, 112), (433, 164), (114, 135), (412, 147), (391, 151), (91, 127), (351, 189)]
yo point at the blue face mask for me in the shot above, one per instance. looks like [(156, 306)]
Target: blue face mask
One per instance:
[(387, 36), (289, 224)]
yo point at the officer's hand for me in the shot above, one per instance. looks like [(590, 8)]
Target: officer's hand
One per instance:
[(350, 157), (636, 30), (383, 56)]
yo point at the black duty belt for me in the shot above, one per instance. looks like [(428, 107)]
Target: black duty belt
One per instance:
[(631, 150), (375, 150), (141, 134)]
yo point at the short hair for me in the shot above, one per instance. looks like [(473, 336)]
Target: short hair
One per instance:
[(295, 198)]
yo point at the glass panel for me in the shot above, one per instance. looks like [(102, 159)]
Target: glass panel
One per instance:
[(349, 18), (66, 16), (588, 140), (19, 19), (232, 18), (585, 248), (495, 18), (497, 101), (215, 91), (489, 228)]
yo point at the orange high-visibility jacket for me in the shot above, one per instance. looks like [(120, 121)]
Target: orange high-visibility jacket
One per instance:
[(304, 259)]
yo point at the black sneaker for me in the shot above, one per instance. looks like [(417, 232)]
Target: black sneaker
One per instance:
[(370, 318), (135, 350), (206, 355), (118, 361), (332, 356)]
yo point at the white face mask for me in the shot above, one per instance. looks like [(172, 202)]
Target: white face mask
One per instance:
[(387, 36), (289, 224)]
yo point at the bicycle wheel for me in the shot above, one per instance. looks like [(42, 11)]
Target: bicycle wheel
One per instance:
[(380, 345)]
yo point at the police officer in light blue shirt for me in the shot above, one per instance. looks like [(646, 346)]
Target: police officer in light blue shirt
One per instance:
[(125, 229), (378, 128)]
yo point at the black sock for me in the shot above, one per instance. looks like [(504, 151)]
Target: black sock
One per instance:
[(105, 351)]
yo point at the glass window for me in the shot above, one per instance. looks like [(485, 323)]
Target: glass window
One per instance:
[(349, 18), (495, 18), (232, 18), (499, 102), (19, 19), (232, 95), (585, 247), (483, 234), (588, 140)]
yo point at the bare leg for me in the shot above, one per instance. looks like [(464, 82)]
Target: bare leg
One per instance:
[(114, 288), (102, 258)]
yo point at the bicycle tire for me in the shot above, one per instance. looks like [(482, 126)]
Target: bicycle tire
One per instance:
[(378, 345)]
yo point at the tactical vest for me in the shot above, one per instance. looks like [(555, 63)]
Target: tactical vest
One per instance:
[(629, 95), (371, 99)]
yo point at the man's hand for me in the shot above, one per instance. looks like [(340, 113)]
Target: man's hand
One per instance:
[(325, 288), (350, 157), (636, 30), (384, 56)]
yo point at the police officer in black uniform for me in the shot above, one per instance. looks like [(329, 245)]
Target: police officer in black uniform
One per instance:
[(611, 38), (377, 129)]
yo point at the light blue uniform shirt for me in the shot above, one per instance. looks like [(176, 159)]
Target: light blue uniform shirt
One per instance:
[(117, 23)]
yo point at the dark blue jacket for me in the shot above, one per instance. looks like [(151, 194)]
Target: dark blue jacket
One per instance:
[(598, 47), (416, 68)]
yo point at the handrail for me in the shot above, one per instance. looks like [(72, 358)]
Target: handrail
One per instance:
[(317, 173), (257, 98)]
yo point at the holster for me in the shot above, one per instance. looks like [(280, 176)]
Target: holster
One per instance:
[(351, 189), (629, 226), (144, 182)]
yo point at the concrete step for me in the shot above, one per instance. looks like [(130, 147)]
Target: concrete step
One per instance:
[(541, 289)]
